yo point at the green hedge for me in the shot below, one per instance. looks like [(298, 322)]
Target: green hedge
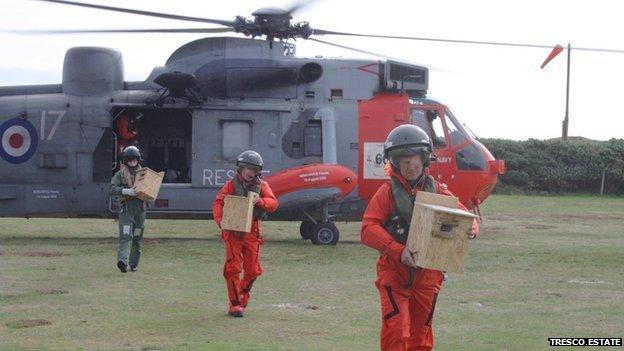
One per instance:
[(555, 166)]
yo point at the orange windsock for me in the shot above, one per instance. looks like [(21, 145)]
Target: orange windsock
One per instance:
[(555, 51)]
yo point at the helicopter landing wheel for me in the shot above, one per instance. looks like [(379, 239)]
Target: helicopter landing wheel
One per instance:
[(305, 229), (325, 233)]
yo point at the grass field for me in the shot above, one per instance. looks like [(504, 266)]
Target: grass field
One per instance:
[(543, 267)]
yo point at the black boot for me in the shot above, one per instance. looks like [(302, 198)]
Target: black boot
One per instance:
[(122, 266), (236, 312), (133, 268)]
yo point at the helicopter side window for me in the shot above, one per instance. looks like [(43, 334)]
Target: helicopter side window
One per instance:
[(418, 119), (236, 138), (435, 131)]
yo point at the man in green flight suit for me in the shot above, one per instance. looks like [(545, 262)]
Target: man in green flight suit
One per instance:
[(132, 210)]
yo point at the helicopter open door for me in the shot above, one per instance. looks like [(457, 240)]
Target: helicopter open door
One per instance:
[(162, 135)]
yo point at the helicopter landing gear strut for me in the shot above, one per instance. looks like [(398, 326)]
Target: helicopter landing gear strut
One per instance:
[(323, 232)]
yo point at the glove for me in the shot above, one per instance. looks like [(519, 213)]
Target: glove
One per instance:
[(255, 197), (128, 192), (407, 258)]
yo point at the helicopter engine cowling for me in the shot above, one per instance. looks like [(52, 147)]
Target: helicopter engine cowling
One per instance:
[(92, 71), (255, 78)]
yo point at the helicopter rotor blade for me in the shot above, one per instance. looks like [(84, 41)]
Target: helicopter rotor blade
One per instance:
[(327, 32), (456, 41), (353, 49), (296, 7), (103, 31), (616, 51), (376, 54), (143, 13)]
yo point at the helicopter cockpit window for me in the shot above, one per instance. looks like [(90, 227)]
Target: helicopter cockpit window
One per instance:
[(431, 124), (236, 138), (470, 158), (456, 132), (437, 135)]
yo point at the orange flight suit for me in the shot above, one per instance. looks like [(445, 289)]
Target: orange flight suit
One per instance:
[(407, 313), (242, 250)]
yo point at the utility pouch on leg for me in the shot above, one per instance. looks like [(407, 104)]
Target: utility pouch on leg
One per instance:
[(126, 231), (138, 233)]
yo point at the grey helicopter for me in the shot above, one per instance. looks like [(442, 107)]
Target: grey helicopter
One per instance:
[(319, 123)]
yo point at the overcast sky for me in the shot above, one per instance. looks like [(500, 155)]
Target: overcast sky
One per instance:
[(497, 92)]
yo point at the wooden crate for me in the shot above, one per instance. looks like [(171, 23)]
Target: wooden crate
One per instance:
[(147, 184), (237, 213), (438, 232)]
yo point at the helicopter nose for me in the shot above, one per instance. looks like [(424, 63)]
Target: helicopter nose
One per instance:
[(485, 188)]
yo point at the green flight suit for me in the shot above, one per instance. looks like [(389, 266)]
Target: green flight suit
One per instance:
[(131, 217)]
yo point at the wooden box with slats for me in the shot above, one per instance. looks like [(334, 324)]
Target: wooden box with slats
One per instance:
[(237, 213), (438, 233), (147, 184)]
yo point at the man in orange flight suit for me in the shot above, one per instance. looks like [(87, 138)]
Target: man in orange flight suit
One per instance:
[(242, 250), (408, 293)]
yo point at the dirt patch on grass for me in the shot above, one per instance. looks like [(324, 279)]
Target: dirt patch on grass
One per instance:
[(564, 216), (290, 306), (539, 226), (52, 291), (504, 218), (12, 297), (151, 241), (583, 281), (586, 216), (493, 230), (551, 216), (27, 323), (43, 254), (85, 241)]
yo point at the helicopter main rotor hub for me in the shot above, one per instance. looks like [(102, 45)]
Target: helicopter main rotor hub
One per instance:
[(272, 22)]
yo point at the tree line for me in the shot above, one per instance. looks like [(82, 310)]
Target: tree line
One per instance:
[(555, 166)]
